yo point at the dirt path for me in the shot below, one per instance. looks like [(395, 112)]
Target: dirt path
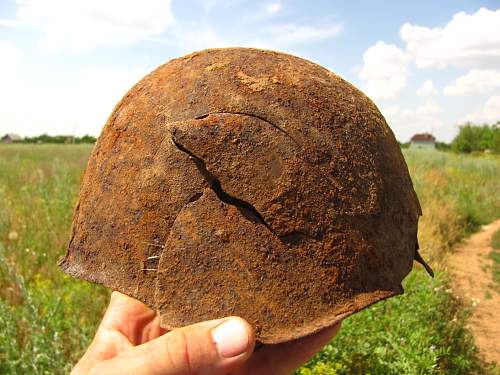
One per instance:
[(471, 270)]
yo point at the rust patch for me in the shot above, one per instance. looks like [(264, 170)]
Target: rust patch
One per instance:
[(278, 194), (256, 83), (215, 66)]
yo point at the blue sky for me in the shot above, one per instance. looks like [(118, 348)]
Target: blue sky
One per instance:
[(428, 65)]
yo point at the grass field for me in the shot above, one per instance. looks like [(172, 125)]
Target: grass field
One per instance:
[(495, 257), (47, 318)]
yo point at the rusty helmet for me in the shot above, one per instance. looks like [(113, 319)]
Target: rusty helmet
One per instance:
[(246, 182)]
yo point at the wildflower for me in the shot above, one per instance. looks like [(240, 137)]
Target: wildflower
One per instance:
[(13, 235)]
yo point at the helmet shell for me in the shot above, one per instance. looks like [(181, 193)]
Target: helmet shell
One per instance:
[(246, 182)]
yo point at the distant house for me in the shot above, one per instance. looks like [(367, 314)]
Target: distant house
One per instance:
[(11, 138), (424, 140)]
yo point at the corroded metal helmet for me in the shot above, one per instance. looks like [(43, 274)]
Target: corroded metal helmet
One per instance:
[(246, 182)]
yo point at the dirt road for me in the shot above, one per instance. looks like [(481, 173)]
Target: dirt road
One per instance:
[(472, 280)]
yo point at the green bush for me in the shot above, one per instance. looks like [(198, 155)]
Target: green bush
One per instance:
[(477, 138)]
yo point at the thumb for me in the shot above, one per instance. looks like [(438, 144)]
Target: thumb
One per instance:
[(213, 347)]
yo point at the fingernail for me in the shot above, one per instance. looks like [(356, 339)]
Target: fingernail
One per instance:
[(231, 338)]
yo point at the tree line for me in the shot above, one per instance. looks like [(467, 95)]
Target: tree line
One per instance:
[(45, 138), (477, 138)]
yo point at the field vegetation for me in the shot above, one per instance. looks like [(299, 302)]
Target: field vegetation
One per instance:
[(475, 138), (45, 138), (47, 319), (495, 257)]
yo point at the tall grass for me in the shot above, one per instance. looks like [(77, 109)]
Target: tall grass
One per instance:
[(495, 257), (458, 194), (47, 318)]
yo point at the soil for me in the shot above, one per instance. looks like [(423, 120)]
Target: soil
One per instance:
[(471, 268), (246, 182)]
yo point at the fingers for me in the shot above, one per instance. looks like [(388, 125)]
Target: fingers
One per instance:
[(123, 309), (137, 322), (214, 347), (285, 358), (126, 323)]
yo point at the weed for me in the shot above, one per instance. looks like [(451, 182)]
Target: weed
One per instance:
[(495, 240), (420, 332), (495, 257)]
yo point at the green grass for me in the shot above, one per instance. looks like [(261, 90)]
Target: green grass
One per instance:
[(495, 257), (495, 240), (458, 194), (420, 332), (47, 319)]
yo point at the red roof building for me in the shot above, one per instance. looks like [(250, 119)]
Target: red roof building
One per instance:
[(424, 140), (10, 138)]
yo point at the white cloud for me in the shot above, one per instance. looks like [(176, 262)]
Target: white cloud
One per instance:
[(101, 89), (279, 37), (288, 35), (385, 70), (471, 40), (429, 108), (13, 23), (9, 88), (427, 89), (273, 8), (476, 81), (488, 113), (209, 5), (8, 62), (191, 38), (79, 24), (84, 107), (406, 122)]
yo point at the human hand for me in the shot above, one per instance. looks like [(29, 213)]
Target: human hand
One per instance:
[(130, 340)]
